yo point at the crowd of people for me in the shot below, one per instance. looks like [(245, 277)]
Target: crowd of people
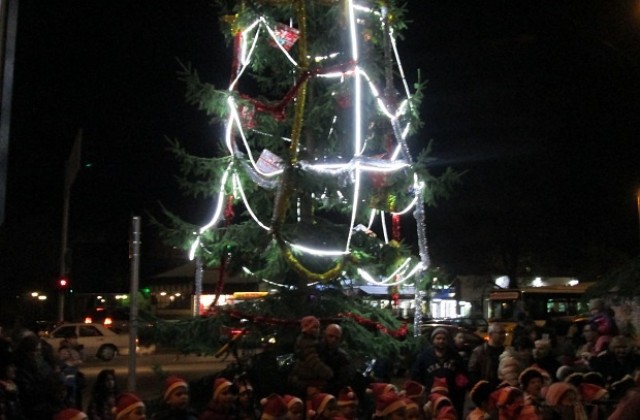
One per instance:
[(585, 375)]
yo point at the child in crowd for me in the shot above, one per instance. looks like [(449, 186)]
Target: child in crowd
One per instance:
[(479, 395), (323, 407), (562, 402), (295, 407), (129, 407), (70, 414), (103, 396), (221, 405), (390, 406), (274, 407), (175, 401), (348, 403), (412, 409), (245, 405)]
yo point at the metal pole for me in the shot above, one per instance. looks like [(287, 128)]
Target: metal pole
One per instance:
[(638, 204), (198, 286), (9, 30), (133, 299)]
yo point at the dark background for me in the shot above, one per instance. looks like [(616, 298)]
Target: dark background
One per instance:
[(538, 101)]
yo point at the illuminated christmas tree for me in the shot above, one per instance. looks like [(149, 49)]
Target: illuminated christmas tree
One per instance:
[(314, 172)]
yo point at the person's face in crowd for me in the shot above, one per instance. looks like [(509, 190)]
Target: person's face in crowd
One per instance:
[(330, 411), (348, 411), (440, 342), (620, 351), (140, 413), (296, 412), (244, 398), (110, 382), (497, 336), (332, 336), (534, 387), (225, 398), (589, 333), (459, 340), (179, 398), (540, 350), (314, 330)]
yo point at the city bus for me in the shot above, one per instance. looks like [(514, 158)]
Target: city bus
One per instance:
[(561, 304)]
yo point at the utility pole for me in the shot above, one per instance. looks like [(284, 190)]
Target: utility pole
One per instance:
[(8, 32), (71, 170)]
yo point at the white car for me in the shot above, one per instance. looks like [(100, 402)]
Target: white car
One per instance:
[(96, 339)]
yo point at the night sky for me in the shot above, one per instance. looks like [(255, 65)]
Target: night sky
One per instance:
[(537, 101)]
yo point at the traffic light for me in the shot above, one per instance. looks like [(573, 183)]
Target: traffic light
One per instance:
[(63, 283)]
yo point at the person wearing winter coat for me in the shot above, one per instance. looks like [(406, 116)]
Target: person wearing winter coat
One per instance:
[(175, 401), (439, 360), (309, 372)]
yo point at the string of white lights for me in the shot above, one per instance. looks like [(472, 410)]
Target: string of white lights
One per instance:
[(238, 185)]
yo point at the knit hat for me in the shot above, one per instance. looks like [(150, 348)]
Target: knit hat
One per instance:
[(439, 386), (413, 389), (319, 403), (387, 403), (379, 388), (480, 392), (125, 404), (595, 378), (273, 407), (171, 383), (528, 374), (346, 396), (439, 330), (556, 391), (591, 392), (308, 323), (70, 414), (291, 400), (220, 385)]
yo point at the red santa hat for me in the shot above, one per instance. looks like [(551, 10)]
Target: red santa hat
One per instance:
[(379, 388), (591, 392), (308, 323), (171, 383), (319, 402), (413, 389), (439, 386), (435, 404), (346, 396), (446, 413), (273, 407), (220, 385), (125, 404), (70, 414), (291, 400), (554, 393), (387, 403)]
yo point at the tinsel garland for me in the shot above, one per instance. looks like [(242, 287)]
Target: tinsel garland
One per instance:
[(399, 333)]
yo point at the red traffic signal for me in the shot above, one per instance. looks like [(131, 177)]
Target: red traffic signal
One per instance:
[(63, 283)]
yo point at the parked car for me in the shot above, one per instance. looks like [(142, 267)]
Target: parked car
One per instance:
[(95, 339), (117, 319)]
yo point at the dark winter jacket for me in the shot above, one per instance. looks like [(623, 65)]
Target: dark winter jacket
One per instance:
[(309, 370)]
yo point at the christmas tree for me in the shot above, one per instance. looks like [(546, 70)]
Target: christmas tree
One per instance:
[(314, 172)]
